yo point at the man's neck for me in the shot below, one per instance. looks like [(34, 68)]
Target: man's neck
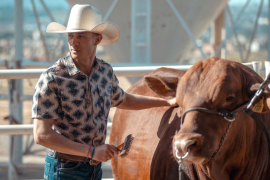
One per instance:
[(85, 65)]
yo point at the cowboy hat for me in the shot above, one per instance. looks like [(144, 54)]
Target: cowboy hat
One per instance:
[(87, 18)]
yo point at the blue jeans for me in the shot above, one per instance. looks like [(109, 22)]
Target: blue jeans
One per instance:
[(58, 169)]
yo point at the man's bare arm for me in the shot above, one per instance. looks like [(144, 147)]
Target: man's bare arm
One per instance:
[(46, 136), (137, 102)]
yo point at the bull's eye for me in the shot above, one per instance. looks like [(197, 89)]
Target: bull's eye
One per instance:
[(229, 99)]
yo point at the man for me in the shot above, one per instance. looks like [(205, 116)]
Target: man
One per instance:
[(74, 97)]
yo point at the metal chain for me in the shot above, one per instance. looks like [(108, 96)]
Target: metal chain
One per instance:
[(180, 162), (220, 144), (180, 169)]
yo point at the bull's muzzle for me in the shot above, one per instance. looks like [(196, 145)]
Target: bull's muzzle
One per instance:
[(184, 145), (187, 143)]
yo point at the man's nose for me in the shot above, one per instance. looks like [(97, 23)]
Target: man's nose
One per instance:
[(73, 41)]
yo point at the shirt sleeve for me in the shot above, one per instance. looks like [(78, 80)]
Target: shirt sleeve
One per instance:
[(118, 93), (45, 98)]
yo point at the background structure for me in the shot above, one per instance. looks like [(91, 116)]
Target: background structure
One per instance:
[(156, 32)]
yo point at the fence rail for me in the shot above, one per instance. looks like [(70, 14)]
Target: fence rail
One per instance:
[(23, 129), (119, 71)]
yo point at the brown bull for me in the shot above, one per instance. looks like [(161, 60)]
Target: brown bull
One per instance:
[(212, 84)]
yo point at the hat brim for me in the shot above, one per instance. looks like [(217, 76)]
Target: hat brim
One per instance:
[(110, 31)]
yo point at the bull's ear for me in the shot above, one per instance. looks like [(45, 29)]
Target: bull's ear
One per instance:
[(263, 103), (162, 86)]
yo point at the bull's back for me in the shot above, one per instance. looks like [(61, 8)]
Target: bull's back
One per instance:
[(150, 153)]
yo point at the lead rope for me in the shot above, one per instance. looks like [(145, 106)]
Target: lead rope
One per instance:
[(180, 162)]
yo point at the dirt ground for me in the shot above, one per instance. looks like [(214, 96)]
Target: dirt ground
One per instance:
[(36, 153)]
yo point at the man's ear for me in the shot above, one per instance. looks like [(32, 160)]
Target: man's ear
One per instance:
[(98, 39), (162, 86), (263, 103)]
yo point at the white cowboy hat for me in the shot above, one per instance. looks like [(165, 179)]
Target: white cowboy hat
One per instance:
[(87, 18)]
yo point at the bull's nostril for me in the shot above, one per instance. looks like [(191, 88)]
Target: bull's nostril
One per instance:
[(194, 144), (185, 145)]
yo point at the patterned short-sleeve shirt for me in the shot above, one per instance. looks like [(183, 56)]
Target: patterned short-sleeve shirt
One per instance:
[(78, 103)]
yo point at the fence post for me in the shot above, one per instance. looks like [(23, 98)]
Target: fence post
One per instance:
[(15, 91), (267, 67), (257, 67)]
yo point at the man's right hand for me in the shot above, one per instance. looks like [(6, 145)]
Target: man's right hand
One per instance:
[(104, 152)]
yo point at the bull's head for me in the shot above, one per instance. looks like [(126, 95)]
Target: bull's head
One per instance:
[(216, 85)]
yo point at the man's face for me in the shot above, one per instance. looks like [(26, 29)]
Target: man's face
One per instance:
[(82, 45)]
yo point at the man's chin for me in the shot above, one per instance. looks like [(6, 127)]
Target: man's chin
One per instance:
[(74, 56)]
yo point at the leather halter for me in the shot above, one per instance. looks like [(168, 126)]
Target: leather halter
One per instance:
[(231, 115), (227, 115)]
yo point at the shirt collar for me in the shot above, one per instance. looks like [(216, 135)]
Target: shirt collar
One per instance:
[(73, 70)]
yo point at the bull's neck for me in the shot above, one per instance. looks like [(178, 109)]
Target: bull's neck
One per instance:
[(244, 154)]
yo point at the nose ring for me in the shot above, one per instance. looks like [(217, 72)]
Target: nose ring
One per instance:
[(180, 157)]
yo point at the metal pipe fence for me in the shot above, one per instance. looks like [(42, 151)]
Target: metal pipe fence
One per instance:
[(23, 129), (119, 71)]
